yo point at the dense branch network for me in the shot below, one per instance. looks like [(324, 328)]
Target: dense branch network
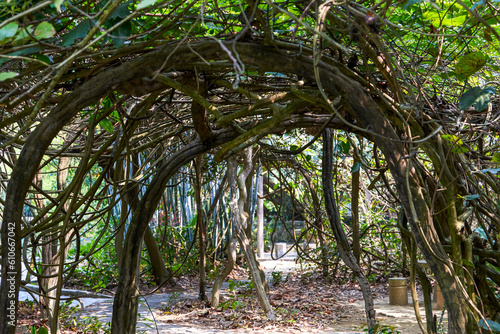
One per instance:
[(128, 94)]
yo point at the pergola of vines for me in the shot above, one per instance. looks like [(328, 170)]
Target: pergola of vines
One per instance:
[(98, 83)]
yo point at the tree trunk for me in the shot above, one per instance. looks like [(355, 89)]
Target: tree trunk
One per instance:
[(240, 218), (409, 244), (338, 231), (356, 247), (161, 273), (318, 222), (47, 285), (120, 173), (125, 305), (260, 217), (231, 260), (201, 229), (52, 256)]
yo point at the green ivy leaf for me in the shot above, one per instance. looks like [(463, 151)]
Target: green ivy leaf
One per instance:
[(106, 125), (120, 12), (355, 167), (490, 170), (476, 96), (23, 52), (345, 147), (495, 326), (471, 197), (145, 3), (42, 330), (57, 4), (481, 232), (80, 31), (7, 75), (44, 30), (467, 263), (43, 58), (411, 3), (8, 31), (469, 64), (454, 21), (456, 143), (459, 149), (496, 158), (23, 34), (120, 34), (452, 139)]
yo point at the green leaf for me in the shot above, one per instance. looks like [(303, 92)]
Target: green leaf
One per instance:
[(469, 97), (211, 25), (467, 263), (44, 30), (121, 34), (471, 197), (23, 52), (481, 232), (456, 143), (80, 31), (355, 167), (145, 3), (495, 326), (496, 158), (43, 58), (468, 65), (345, 147), (293, 147), (57, 4), (23, 35), (452, 139), (43, 330), (8, 31), (8, 75), (106, 125), (459, 149), (477, 96), (490, 170), (454, 21), (411, 3), (120, 12)]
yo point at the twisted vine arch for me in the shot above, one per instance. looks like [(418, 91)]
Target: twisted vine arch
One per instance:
[(378, 121)]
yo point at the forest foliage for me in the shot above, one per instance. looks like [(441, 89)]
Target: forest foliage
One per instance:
[(119, 121)]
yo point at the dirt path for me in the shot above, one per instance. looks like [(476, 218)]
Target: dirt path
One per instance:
[(402, 318), (350, 309)]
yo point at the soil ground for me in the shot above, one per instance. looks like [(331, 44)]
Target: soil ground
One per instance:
[(304, 303)]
